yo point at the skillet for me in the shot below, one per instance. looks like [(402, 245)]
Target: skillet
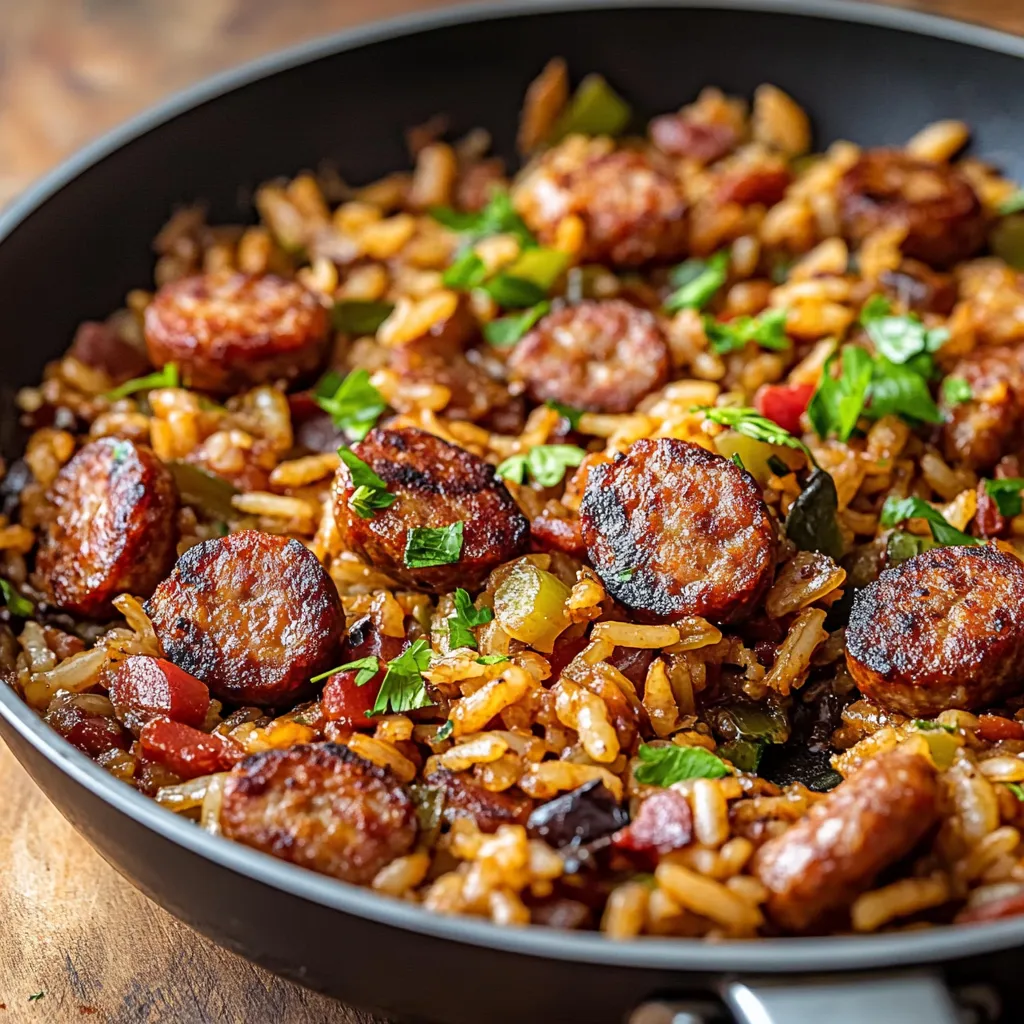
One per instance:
[(76, 242)]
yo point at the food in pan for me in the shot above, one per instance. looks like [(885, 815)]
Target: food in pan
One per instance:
[(630, 543)]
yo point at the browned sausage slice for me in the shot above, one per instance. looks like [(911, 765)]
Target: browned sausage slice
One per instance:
[(114, 527), (320, 807), (464, 798), (874, 818), (436, 484), (675, 530), (252, 615), (936, 205), (601, 356), (942, 630), (229, 331), (632, 209)]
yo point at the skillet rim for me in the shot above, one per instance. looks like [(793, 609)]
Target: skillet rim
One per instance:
[(780, 955)]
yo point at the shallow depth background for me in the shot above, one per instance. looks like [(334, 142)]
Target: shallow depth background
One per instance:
[(73, 935)]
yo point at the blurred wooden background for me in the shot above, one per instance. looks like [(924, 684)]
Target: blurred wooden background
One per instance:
[(76, 942)]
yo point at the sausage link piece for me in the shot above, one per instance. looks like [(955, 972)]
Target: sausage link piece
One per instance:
[(253, 615), (321, 807), (113, 528), (675, 530), (600, 356), (633, 210), (436, 484), (871, 820), (942, 630), (935, 204), (228, 331)]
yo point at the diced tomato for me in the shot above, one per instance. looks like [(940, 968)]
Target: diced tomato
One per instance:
[(663, 823), (186, 751), (155, 686), (993, 910), (993, 728), (91, 733), (784, 404)]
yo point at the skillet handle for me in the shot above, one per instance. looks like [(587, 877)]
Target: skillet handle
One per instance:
[(915, 997)]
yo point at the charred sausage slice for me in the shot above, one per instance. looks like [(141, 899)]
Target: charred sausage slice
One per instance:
[(633, 210), (464, 798), (320, 807), (942, 630), (675, 530), (113, 528), (935, 204), (435, 484), (874, 818), (229, 331), (253, 615), (601, 356)]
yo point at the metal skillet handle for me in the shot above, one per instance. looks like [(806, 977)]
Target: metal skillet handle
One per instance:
[(904, 998)]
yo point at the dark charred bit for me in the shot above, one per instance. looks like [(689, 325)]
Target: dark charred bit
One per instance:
[(464, 798), (579, 824)]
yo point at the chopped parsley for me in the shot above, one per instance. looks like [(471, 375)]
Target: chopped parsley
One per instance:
[(546, 463), (696, 282), (902, 545), (899, 338), (509, 329), (897, 510), (491, 659), (567, 412), (1016, 790), (924, 725), (16, 604), (168, 377), (360, 316), (1014, 204), (402, 688), (465, 619), (498, 217), (426, 546), (956, 391), (767, 329), (751, 423), (625, 575), (445, 731), (36, 996), (737, 461), (467, 271), (371, 492), (364, 668), (663, 766), (1006, 493), (512, 292), (352, 402)]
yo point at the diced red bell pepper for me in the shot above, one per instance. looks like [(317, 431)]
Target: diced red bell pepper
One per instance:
[(993, 910), (155, 686), (663, 823), (993, 728), (784, 404), (186, 751)]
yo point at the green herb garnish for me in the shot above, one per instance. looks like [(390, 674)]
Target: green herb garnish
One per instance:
[(467, 271), (768, 330), (364, 668), (899, 338), (546, 463), (751, 423), (355, 404), (1013, 204), (402, 688), (1016, 790), (897, 510), (445, 731), (359, 316), (513, 292), (509, 329), (924, 725), (595, 109), (1006, 493), (956, 391), (465, 619), (902, 545), (696, 282), (737, 461), (35, 997), (16, 604), (567, 412), (371, 492), (663, 766), (168, 377), (426, 546), (498, 217), (492, 659)]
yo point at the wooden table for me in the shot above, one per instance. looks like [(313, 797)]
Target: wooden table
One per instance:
[(70, 928)]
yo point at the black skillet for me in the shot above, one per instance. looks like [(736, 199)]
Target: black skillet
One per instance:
[(79, 240)]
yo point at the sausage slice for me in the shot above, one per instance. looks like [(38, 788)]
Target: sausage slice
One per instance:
[(253, 615), (113, 530), (228, 331), (675, 530), (874, 818), (936, 205), (632, 209), (435, 484), (601, 356), (321, 807), (942, 630)]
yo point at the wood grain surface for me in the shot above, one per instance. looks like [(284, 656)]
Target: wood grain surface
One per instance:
[(73, 934)]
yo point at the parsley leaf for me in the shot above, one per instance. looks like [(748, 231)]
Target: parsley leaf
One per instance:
[(697, 281), (899, 338), (168, 377), (468, 271), (956, 390), (16, 604), (402, 688), (426, 546), (546, 463), (1006, 493), (567, 412), (514, 292), (509, 329), (925, 726), (897, 510), (466, 617), (36, 996), (444, 732), (498, 217), (355, 406), (1016, 789), (737, 461), (767, 329), (751, 423), (1013, 204), (837, 402), (664, 765), (359, 316), (902, 545), (370, 491), (364, 668), (901, 390), (492, 659)]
